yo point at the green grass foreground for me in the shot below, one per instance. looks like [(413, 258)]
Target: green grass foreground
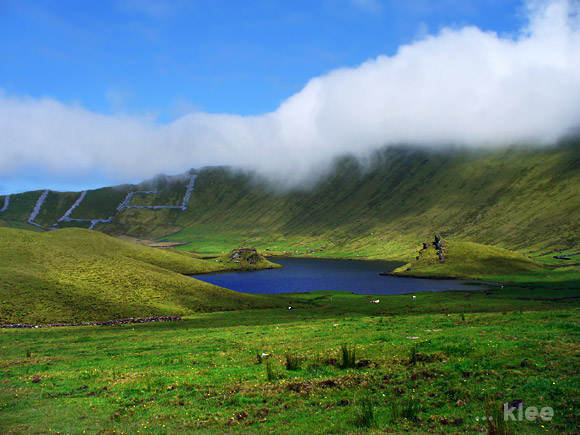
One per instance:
[(434, 365)]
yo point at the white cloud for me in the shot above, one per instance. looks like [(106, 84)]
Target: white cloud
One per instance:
[(463, 87)]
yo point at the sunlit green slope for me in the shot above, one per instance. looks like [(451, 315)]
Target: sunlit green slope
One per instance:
[(466, 260), (75, 274)]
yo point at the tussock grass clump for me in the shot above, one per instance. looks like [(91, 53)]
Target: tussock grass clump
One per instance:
[(496, 425), (293, 362), (348, 356), (320, 364), (406, 408), (417, 354), (271, 373), (410, 409), (365, 413), (413, 355)]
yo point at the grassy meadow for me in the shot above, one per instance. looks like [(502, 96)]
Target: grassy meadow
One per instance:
[(334, 364)]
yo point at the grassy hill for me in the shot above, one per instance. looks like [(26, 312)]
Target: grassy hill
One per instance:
[(467, 260), (80, 275), (518, 198)]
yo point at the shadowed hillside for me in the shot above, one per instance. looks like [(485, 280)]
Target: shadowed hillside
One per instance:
[(516, 198)]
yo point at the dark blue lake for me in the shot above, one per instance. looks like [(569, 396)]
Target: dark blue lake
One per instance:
[(313, 274)]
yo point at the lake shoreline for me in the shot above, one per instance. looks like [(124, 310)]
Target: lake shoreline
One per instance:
[(305, 275)]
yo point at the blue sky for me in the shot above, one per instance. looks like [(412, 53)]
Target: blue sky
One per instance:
[(158, 61), (242, 57)]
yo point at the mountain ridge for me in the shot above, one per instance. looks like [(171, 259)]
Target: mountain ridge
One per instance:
[(518, 198)]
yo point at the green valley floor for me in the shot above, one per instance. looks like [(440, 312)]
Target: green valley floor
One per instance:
[(443, 363)]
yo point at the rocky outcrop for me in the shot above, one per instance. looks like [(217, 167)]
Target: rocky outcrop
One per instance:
[(439, 244), (247, 254)]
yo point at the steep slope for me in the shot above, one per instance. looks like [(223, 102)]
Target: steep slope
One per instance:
[(80, 275), (518, 198)]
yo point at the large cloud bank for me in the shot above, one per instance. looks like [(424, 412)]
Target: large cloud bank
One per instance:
[(461, 87)]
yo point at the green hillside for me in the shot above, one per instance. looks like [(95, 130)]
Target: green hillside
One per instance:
[(518, 198), (80, 275), (466, 260)]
